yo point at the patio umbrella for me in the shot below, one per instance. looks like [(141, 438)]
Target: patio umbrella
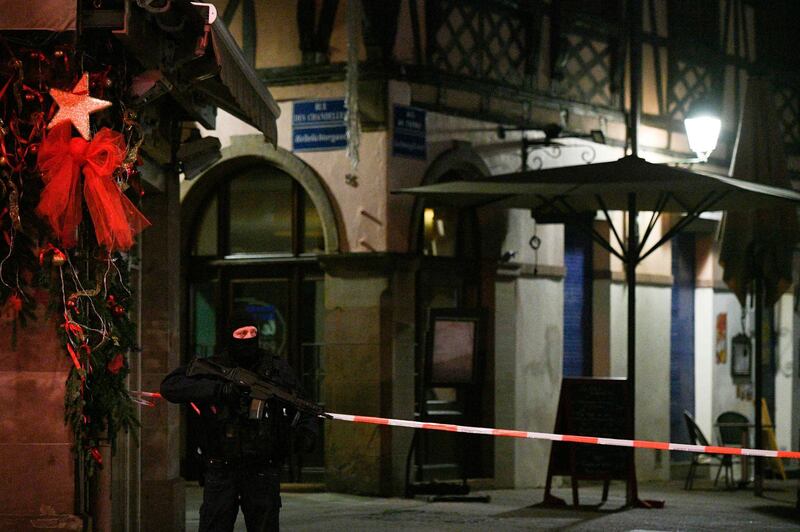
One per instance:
[(630, 184), (611, 186), (757, 245), (759, 242)]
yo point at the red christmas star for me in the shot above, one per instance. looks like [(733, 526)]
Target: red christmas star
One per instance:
[(76, 106)]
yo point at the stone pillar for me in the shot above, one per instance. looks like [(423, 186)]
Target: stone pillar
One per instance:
[(36, 458), (529, 323), (528, 368), (162, 488), (369, 369)]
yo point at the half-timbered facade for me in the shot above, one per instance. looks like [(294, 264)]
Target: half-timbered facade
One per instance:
[(345, 272)]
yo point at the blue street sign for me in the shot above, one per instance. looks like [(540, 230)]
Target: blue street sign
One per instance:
[(319, 125), (409, 139)]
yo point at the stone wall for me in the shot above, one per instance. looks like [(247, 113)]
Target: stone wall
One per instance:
[(36, 456), (369, 370)]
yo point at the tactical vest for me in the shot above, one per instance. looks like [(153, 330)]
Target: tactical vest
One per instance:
[(230, 435)]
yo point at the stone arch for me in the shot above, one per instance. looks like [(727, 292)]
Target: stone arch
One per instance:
[(461, 157), (245, 152)]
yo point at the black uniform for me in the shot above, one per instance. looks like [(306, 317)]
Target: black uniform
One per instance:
[(243, 456)]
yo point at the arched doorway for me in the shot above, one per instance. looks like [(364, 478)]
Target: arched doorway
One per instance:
[(450, 276), (253, 229)]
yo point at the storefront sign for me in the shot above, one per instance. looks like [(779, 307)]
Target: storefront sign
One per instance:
[(409, 132), (319, 125)]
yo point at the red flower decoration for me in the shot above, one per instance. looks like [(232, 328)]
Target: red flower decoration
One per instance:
[(116, 364), (15, 302), (96, 455)]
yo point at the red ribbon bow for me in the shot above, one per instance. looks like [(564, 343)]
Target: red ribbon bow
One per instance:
[(62, 158)]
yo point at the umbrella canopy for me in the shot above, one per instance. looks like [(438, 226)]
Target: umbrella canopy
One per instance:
[(611, 186), (759, 242), (601, 186)]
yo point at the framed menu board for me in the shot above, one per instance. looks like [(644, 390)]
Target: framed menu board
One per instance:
[(452, 347)]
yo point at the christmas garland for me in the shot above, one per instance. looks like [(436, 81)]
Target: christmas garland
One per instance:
[(66, 221)]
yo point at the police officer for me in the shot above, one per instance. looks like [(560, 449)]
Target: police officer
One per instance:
[(243, 456)]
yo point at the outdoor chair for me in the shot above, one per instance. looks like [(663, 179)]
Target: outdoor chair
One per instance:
[(733, 428), (734, 431), (705, 459)]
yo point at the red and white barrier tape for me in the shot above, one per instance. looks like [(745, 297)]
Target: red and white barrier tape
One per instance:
[(591, 440), (639, 444)]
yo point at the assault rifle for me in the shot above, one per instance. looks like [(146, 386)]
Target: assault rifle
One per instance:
[(260, 389)]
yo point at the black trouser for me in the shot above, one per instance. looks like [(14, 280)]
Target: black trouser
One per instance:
[(227, 486)]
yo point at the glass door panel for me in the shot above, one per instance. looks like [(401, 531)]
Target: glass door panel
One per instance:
[(204, 318), (261, 213), (311, 318)]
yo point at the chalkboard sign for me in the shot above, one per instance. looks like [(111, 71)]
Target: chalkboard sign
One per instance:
[(592, 407)]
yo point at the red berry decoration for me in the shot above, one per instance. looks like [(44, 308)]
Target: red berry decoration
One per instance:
[(111, 300), (118, 310)]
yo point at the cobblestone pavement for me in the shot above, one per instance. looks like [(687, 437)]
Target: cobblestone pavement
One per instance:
[(703, 508)]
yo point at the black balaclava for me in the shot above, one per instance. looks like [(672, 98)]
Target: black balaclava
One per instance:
[(244, 351)]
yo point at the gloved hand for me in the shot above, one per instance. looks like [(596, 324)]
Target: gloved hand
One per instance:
[(230, 393), (304, 440)]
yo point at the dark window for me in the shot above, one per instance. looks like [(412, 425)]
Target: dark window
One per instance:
[(605, 11), (693, 22), (205, 241), (203, 297), (259, 212), (776, 32)]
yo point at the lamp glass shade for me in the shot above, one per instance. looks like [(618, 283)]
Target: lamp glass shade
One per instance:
[(703, 134)]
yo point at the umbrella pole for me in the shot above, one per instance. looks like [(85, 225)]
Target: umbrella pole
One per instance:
[(632, 253), (758, 481), (631, 258)]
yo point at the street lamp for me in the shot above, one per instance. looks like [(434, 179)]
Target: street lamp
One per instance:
[(702, 125)]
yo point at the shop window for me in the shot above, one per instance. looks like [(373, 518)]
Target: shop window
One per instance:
[(204, 317), (205, 241), (440, 229), (260, 212)]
